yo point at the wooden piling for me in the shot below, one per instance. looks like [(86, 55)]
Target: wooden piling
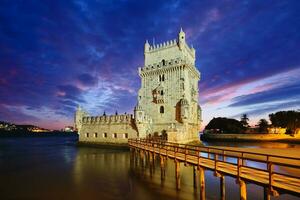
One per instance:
[(243, 190), (202, 182), (222, 187), (267, 195), (195, 177), (177, 174), (150, 164)]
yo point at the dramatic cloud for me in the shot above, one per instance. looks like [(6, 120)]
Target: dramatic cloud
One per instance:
[(55, 55)]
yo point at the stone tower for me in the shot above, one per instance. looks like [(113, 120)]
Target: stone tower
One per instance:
[(168, 97)]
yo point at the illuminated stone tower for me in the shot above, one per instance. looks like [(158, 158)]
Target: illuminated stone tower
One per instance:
[(168, 97)]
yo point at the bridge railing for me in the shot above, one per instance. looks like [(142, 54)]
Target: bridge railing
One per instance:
[(273, 168)]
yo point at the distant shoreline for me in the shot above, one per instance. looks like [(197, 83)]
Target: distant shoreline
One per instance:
[(5, 134), (210, 137)]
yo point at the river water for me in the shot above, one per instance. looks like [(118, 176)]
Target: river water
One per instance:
[(55, 168)]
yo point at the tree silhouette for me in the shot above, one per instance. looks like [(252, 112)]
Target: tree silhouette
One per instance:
[(225, 125), (244, 121), (262, 125), (286, 119)]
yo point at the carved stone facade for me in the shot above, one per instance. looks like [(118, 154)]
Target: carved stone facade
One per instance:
[(167, 100)]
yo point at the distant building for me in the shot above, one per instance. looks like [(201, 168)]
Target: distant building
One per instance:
[(167, 100), (68, 129), (276, 130)]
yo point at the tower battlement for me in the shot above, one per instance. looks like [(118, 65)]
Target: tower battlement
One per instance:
[(169, 44), (159, 46), (172, 49)]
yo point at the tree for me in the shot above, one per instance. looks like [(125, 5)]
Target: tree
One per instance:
[(286, 119), (262, 125), (244, 121), (225, 125)]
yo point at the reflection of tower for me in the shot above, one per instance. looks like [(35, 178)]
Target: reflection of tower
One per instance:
[(79, 114)]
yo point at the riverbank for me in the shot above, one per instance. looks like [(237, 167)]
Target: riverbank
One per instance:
[(249, 138)]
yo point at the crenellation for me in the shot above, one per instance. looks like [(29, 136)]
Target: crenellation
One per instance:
[(160, 46), (125, 118)]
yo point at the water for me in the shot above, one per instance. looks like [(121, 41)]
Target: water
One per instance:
[(54, 168)]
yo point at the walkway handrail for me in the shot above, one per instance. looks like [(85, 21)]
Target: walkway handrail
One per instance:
[(224, 151)]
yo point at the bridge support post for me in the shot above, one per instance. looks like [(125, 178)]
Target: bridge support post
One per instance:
[(142, 158), (153, 161), (135, 158), (243, 190), (222, 187), (195, 177), (267, 195), (177, 174), (148, 159), (150, 163), (202, 182)]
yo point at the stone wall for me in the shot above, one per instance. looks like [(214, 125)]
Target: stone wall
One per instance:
[(108, 129)]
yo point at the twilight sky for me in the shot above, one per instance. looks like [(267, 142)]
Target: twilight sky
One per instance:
[(55, 55)]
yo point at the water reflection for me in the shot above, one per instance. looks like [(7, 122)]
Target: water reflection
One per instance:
[(54, 168)]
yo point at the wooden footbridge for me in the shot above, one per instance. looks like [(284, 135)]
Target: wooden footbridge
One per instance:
[(277, 174)]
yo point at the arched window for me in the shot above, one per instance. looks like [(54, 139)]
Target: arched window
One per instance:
[(163, 62), (96, 135), (159, 78), (161, 109), (161, 92), (87, 134)]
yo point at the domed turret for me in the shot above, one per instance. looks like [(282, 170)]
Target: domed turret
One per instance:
[(139, 113), (184, 106)]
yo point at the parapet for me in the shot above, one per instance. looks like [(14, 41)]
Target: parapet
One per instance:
[(164, 45), (111, 119), (164, 64)]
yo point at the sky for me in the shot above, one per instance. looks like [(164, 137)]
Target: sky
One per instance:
[(56, 55)]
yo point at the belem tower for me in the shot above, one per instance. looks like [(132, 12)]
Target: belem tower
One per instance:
[(167, 102)]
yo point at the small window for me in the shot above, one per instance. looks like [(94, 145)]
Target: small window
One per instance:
[(159, 78), (163, 62), (105, 135), (163, 78), (95, 135), (161, 109), (114, 135), (87, 134), (125, 135), (161, 92)]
